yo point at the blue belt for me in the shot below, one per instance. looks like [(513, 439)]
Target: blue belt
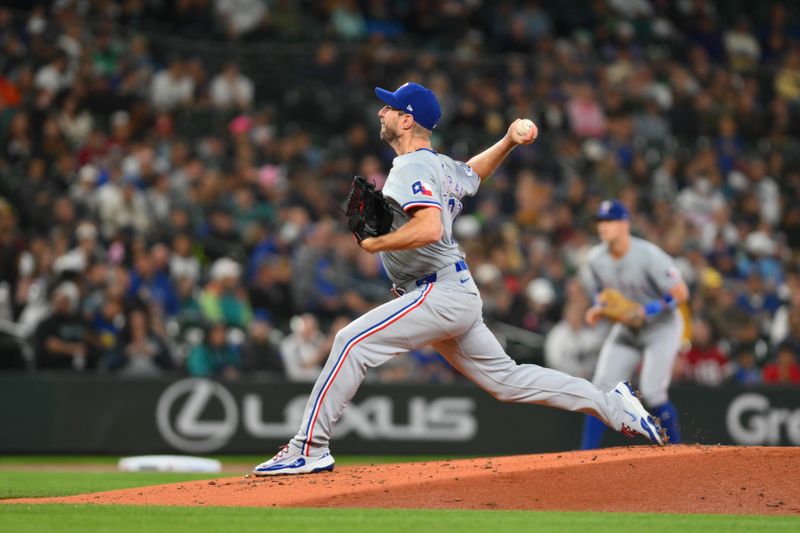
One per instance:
[(430, 278)]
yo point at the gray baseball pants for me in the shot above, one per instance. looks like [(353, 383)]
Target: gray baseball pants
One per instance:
[(447, 314)]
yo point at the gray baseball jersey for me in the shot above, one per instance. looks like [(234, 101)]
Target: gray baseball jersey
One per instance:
[(444, 311), (426, 179), (643, 274)]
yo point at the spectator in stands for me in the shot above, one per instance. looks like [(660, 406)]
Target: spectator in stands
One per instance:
[(571, 346), (224, 299), (347, 21), (240, 17), (17, 144), (367, 286), (314, 273), (158, 199), (62, 339), (650, 125), (727, 318), (31, 295), (188, 294), (757, 300), (766, 190), (541, 311), (787, 80), (703, 363), (221, 237), (271, 289), (700, 200), (586, 116), (745, 368), (141, 351), (105, 59), (742, 47), (784, 370), (231, 90), (153, 286), (304, 349), (55, 75), (12, 248), (497, 299), (107, 323), (82, 191), (172, 87), (261, 354), (87, 251), (182, 262), (122, 206), (786, 321), (214, 357), (75, 121)]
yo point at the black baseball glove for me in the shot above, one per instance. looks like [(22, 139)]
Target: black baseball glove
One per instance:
[(368, 213)]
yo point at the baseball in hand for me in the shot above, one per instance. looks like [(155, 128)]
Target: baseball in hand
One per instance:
[(522, 133), (524, 126)]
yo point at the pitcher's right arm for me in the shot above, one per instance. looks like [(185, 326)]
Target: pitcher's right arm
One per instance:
[(485, 163)]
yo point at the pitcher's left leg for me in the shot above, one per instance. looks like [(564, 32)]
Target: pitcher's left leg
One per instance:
[(479, 356)]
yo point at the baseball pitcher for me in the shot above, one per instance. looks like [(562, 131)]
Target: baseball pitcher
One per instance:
[(636, 285), (437, 300)]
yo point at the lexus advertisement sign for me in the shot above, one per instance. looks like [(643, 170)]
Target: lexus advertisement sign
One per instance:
[(185, 422), (46, 414)]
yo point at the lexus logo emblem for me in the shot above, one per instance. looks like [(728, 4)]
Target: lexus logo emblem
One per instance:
[(181, 423)]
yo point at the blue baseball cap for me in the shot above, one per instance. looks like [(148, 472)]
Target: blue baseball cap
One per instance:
[(612, 210), (416, 100)]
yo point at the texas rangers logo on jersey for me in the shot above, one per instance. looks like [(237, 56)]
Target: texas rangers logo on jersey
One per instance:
[(421, 188)]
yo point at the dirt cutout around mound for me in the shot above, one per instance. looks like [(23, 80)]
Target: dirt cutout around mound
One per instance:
[(676, 479)]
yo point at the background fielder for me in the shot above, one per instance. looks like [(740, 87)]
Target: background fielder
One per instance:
[(439, 303), (647, 275)]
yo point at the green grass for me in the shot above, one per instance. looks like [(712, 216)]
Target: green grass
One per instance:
[(22, 518), (42, 484)]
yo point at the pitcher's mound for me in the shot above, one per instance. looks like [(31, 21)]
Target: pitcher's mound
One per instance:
[(676, 479)]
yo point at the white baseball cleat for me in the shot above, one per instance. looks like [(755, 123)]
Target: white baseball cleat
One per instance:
[(638, 420), (288, 461)]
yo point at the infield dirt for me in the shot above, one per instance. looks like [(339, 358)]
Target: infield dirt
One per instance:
[(676, 479)]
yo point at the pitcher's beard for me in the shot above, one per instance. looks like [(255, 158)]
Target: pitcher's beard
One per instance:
[(388, 136)]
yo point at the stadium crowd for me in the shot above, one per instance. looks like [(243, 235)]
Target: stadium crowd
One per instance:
[(170, 174)]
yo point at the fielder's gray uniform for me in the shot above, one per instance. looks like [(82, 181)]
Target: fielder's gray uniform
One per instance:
[(643, 274), (441, 307)]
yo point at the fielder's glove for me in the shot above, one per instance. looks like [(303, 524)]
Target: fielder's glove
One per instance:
[(615, 306), (368, 213)]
